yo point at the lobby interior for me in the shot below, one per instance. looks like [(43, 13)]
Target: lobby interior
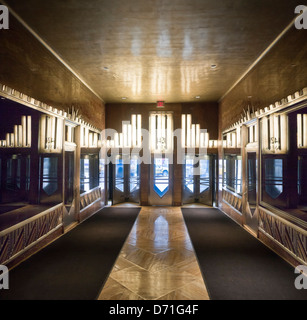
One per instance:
[(180, 113)]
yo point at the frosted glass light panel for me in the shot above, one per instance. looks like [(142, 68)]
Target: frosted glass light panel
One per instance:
[(191, 134), (161, 132), (161, 176), (302, 131), (274, 133)]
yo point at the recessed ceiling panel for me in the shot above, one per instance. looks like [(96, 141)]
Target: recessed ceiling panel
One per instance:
[(158, 50)]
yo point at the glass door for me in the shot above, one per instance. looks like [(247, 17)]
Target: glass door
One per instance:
[(199, 180), (161, 185), (126, 180)]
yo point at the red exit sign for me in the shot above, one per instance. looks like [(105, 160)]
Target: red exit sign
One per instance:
[(160, 104)]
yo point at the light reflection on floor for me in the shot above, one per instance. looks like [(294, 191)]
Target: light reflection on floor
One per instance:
[(157, 261)]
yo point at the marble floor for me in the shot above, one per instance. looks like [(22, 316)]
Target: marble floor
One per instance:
[(157, 261)]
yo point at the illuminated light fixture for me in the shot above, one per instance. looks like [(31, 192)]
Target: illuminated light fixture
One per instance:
[(213, 66), (161, 128), (105, 68), (192, 136), (160, 104), (124, 98), (197, 97)]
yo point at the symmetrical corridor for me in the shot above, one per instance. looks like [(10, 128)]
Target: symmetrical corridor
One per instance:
[(153, 150), (157, 261)]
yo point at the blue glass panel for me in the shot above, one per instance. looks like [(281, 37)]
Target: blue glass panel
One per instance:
[(119, 175), (189, 177), (134, 175), (204, 180), (161, 176)]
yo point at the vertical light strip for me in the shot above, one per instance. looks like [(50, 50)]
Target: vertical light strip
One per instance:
[(95, 142), (264, 133), (153, 131), (251, 134), (116, 140), (202, 140), (183, 126), (159, 127), (90, 137), (276, 129), (16, 135), (163, 126), (299, 130), (129, 135), (29, 128), (283, 132), (139, 130), (233, 139), (19, 136), (8, 140), (197, 136), (53, 119), (125, 134), (238, 137), (133, 122), (49, 127), (86, 137), (121, 140), (12, 139), (304, 130), (59, 133), (256, 132), (271, 121), (169, 134), (42, 132), (207, 140), (193, 136), (24, 130), (189, 122)]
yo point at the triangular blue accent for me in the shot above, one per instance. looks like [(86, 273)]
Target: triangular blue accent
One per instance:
[(161, 189)]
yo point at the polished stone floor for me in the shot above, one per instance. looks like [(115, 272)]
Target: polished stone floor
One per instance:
[(157, 261)]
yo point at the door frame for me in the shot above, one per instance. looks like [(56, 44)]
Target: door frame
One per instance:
[(250, 221)]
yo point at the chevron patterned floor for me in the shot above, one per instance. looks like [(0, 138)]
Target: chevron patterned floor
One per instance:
[(157, 261)]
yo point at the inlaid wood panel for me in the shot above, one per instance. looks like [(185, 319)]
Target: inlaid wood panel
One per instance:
[(20, 237), (233, 200), (290, 237), (157, 261), (89, 197)]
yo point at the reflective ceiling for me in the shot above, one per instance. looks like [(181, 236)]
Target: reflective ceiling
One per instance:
[(149, 50)]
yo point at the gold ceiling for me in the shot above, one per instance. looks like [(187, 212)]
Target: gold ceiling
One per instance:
[(149, 50)]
